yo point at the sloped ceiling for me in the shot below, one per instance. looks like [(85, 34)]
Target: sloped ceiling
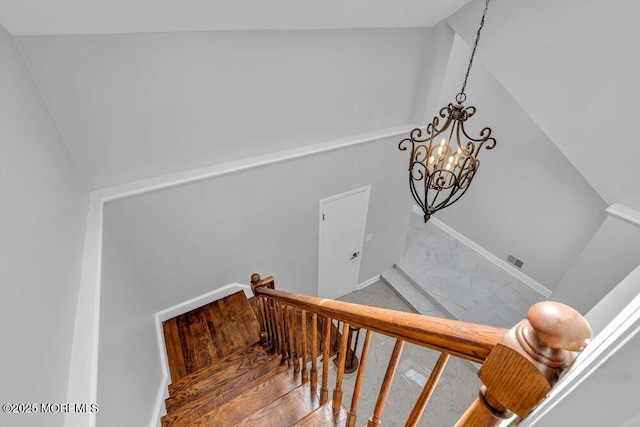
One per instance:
[(134, 106), (38, 17), (574, 66)]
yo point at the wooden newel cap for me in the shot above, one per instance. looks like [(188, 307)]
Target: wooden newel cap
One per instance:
[(559, 326), (255, 278)]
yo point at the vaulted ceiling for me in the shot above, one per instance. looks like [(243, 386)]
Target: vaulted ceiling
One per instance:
[(572, 66), (37, 17)]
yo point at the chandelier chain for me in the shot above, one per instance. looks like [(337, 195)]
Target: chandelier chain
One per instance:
[(475, 46)]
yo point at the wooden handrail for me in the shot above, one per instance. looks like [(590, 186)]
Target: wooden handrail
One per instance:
[(466, 340), (519, 365)]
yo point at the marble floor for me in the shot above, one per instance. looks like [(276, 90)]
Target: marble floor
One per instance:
[(438, 272), (457, 388)]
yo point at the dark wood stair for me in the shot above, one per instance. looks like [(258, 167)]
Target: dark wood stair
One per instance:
[(222, 375)]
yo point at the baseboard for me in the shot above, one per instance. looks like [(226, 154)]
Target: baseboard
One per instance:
[(532, 283), (159, 408), (368, 282), (199, 301)]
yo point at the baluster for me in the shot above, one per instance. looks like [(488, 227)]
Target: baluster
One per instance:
[(273, 343), (265, 330), (268, 323), (524, 366), (322, 320), (351, 418), (264, 333), (314, 351), (295, 341), (427, 391), (342, 356), (277, 310), (352, 360), (375, 419), (288, 334), (305, 371), (280, 330), (336, 338), (324, 391)]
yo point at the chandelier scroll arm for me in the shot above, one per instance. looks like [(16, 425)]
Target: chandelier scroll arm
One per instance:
[(484, 137)]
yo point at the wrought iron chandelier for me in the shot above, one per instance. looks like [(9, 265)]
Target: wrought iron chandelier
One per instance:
[(444, 161)]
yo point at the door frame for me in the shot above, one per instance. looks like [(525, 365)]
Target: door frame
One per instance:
[(367, 190)]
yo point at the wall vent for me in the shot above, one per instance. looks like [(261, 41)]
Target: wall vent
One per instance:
[(515, 261)]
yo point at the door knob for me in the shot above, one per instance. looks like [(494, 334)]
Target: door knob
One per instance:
[(355, 255)]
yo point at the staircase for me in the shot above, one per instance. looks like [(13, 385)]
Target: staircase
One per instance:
[(223, 375), (254, 362)]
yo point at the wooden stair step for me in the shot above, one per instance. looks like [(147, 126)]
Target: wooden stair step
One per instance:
[(235, 410), (218, 371), (205, 396), (286, 410), (209, 333), (208, 404), (325, 417)]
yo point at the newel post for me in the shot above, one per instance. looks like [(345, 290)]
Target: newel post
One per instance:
[(524, 366), (266, 333)]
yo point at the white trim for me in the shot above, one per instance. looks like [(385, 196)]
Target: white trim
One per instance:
[(368, 282), (159, 409), (627, 214), (617, 333), (199, 301), (532, 283), (180, 178), (367, 190), (83, 372)]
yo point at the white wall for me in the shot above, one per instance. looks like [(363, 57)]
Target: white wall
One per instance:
[(612, 253), (603, 385), (527, 199), (187, 240), (43, 202), (573, 66), (133, 106), (129, 370), (608, 397)]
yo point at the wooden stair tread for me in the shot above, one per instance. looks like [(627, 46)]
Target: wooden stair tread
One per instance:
[(209, 333), (218, 369), (286, 410), (324, 416), (235, 410), (207, 395)]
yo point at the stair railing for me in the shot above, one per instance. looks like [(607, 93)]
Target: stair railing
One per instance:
[(519, 365)]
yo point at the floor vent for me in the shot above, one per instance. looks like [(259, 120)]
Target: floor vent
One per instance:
[(515, 261)]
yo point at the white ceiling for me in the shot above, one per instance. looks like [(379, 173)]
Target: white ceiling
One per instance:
[(134, 106), (45, 17)]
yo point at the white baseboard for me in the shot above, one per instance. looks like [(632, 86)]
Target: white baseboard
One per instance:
[(199, 301), (159, 409), (532, 283), (368, 282)]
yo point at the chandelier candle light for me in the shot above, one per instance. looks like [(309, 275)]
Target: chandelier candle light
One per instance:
[(444, 161)]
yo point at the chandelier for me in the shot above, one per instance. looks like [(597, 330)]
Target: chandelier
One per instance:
[(444, 159)]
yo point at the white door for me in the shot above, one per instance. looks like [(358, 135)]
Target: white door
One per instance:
[(342, 222)]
